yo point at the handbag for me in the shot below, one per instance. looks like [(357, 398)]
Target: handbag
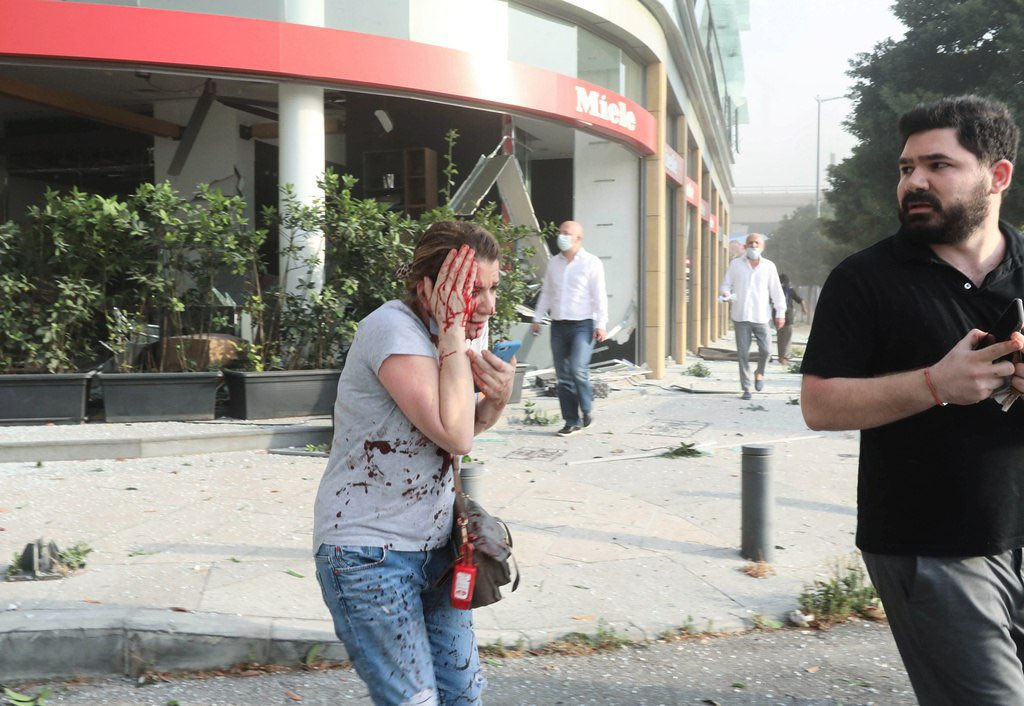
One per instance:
[(491, 551)]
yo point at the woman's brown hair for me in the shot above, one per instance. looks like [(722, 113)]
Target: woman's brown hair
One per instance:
[(438, 240)]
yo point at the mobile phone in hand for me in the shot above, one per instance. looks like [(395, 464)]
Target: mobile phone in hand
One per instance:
[(1012, 319), (506, 349)]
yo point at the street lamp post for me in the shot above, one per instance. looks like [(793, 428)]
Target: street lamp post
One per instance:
[(817, 157)]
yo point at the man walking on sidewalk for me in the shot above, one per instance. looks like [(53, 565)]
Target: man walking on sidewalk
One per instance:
[(574, 294), (752, 284), (900, 350), (784, 335)]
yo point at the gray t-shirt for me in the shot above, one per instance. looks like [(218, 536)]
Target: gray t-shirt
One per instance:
[(386, 483)]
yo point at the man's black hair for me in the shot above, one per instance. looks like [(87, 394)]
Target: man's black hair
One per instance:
[(984, 126)]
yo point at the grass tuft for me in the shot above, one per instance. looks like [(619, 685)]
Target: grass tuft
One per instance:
[(698, 370), (845, 594)]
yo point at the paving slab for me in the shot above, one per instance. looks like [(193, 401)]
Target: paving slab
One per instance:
[(203, 559)]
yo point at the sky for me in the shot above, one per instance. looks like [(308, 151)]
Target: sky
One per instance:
[(796, 50)]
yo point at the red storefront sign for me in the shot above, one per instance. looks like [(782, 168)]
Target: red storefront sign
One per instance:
[(42, 29), (692, 197), (675, 167)]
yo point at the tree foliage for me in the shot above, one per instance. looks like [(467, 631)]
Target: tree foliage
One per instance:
[(800, 250), (951, 47)]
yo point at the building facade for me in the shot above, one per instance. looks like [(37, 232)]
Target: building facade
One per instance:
[(621, 114)]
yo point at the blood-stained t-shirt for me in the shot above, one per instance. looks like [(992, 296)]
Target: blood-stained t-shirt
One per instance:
[(386, 484)]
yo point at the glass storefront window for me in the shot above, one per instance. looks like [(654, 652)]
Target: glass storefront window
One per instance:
[(252, 9), (598, 61), (384, 18), (549, 43), (541, 41), (633, 79)]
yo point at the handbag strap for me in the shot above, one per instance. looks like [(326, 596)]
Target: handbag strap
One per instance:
[(460, 495), (457, 471)]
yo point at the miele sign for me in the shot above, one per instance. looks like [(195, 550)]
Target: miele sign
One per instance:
[(52, 31), (596, 105)]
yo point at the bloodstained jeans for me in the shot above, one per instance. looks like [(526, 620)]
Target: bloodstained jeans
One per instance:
[(403, 636)]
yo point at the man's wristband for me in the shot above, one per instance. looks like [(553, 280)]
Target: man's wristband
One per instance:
[(931, 388)]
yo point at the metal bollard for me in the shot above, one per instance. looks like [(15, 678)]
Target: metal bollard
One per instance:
[(472, 476), (758, 504)]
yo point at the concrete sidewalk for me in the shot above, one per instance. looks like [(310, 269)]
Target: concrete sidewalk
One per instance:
[(202, 559)]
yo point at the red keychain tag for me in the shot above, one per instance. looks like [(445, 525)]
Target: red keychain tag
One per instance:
[(464, 575)]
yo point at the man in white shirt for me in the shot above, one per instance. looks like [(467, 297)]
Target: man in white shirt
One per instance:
[(752, 284), (574, 295)]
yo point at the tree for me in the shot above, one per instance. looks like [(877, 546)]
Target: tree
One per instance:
[(800, 250), (951, 47)]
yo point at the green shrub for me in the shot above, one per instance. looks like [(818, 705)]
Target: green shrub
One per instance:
[(847, 592), (698, 370)]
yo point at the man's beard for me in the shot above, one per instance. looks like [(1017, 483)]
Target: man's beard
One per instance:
[(945, 226)]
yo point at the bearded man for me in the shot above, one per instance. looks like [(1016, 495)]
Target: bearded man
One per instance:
[(900, 350)]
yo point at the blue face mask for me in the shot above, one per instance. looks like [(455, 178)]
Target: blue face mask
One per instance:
[(753, 254), (564, 241)]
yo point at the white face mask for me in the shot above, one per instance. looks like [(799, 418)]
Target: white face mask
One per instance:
[(753, 254), (564, 241)]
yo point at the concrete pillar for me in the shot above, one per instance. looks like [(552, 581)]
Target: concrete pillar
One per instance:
[(682, 305), (301, 156), (655, 241), (697, 261), (714, 320), (722, 245), (707, 250), (725, 227)]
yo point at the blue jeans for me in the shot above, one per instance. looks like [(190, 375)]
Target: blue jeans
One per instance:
[(404, 639), (572, 342)]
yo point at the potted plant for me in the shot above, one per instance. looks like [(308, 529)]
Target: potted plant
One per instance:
[(302, 332), (288, 367), (182, 247), (54, 274)]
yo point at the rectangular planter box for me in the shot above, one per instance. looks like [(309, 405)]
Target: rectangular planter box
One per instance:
[(44, 398), (159, 397), (517, 382), (281, 393)]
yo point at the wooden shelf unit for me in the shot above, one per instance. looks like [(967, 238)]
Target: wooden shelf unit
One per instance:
[(405, 178)]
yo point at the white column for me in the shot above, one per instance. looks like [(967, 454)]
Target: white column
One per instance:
[(301, 153)]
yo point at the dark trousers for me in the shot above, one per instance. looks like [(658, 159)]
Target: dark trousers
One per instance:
[(782, 338), (958, 625)]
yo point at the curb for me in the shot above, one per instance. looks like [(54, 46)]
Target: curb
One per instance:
[(231, 439), (103, 642), (53, 644)]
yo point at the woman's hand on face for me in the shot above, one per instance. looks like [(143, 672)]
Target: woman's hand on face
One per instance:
[(451, 299), (491, 375)]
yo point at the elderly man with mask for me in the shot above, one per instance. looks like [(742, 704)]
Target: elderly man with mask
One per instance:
[(752, 285)]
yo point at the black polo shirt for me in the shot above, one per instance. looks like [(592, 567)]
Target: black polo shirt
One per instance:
[(948, 481)]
